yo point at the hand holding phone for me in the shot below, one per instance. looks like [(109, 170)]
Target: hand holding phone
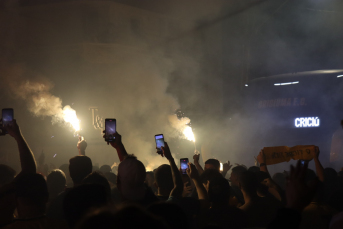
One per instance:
[(159, 139), (13, 129), (192, 172), (166, 151), (184, 165)]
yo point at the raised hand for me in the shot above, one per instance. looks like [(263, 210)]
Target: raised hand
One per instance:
[(13, 129), (166, 151), (117, 142), (82, 144), (118, 145), (261, 158), (227, 166), (196, 157), (298, 193), (192, 172), (315, 153)]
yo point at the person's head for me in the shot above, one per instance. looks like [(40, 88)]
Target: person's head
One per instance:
[(79, 168), (105, 169), (7, 174), (208, 175), (65, 169), (81, 199), (254, 169), (236, 173), (248, 182), (130, 179), (98, 178), (111, 178), (164, 179), (56, 181), (31, 193), (212, 164), (219, 190)]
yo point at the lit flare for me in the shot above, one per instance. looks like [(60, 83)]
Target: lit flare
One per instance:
[(188, 133), (69, 116)]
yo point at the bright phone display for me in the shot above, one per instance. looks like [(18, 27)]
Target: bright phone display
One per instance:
[(159, 139), (7, 117), (184, 165), (110, 129)]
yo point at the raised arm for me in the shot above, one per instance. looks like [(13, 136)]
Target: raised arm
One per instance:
[(81, 146), (274, 188), (261, 159), (27, 159), (177, 179), (194, 175), (197, 164), (319, 167), (299, 195), (118, 145), (226, 167)]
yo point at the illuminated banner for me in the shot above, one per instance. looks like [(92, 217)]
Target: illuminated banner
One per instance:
[(307, 122), (278, 154)]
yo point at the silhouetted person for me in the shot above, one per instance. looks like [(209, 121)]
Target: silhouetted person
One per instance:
[(81, 199), (31, 195), (56, 182), (125, 218), (105, 169), (79, 168), (260, 210), (163, 182), (234, 179)]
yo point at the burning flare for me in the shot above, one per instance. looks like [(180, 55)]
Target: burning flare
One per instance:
[(188, 133), (182, 126), (69, 116)]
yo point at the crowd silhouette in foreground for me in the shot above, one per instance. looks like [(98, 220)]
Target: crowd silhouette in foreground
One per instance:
[(76, 196)]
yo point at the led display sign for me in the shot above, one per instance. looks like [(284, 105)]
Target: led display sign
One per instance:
[(307, 122)]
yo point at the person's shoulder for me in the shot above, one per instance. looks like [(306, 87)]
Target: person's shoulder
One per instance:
[(41, 223)]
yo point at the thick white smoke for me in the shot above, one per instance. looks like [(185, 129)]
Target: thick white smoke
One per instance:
[(36, 93)]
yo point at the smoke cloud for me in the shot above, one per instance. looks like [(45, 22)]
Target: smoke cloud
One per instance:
[(36, 93)]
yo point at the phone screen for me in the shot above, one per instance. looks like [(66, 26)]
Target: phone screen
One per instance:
[(184, 165), (159, 141), (110, 129), (7, 115)]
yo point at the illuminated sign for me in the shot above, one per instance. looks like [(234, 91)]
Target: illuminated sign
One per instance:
[(307, 122)]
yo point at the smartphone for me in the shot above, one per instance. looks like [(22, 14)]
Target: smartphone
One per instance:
[(184, 165), (302, 162), (110, 129), (159, 139), (7, 117)]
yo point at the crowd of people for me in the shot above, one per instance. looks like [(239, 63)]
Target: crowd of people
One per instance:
[(77, 196)]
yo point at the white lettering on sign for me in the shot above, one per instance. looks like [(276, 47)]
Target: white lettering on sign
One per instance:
[(307, 122)]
